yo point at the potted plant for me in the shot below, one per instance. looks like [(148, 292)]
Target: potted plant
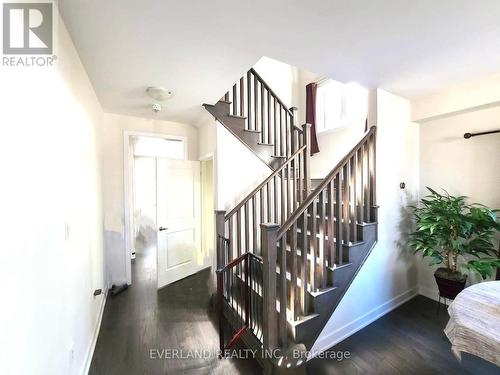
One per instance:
[(449, 231)]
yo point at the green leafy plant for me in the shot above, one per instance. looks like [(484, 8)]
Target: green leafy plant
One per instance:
[(448, 230)]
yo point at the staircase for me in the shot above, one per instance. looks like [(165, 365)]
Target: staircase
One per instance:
[(255, 115), (288, 252)]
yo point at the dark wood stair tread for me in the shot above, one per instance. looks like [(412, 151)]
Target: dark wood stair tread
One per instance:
[(236, 116), (252, 131)]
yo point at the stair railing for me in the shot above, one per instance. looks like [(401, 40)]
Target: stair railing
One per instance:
[(252, 98), (323, 225), (274, 200), (238, 292)]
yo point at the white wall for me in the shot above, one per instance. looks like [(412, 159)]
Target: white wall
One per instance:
[(389, 276), (288, 82), (207, 136), (281, 77), (333, 146), (239, 171), (51, 224), (113, 182), (468, 167), (472, 95)]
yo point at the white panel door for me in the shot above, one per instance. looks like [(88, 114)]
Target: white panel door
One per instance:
[(178, 219)]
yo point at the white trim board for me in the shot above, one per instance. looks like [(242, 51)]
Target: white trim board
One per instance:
[(97, 328), (333, 338)]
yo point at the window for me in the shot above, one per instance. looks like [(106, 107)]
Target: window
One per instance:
[(339, 105), (163, 147)]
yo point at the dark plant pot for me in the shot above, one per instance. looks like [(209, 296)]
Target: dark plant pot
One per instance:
[(449, 283)]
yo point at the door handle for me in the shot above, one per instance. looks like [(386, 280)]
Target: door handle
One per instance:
[(161, 229)]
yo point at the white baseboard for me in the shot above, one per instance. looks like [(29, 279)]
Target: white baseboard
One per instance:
[(333, 338), (90, 350)]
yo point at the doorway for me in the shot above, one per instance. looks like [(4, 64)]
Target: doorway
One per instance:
[(168, 230)]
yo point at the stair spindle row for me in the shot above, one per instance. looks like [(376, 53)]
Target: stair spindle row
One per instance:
[(318, 234), (264, 112)]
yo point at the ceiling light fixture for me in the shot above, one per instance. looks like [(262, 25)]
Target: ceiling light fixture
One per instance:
[(159, 93)]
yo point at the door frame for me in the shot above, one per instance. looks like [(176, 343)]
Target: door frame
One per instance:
[(212, 156), (128, 189)]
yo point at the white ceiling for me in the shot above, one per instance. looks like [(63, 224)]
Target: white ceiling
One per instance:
[(199, 49)]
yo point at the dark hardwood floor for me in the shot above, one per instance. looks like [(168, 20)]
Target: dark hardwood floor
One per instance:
[(408, 340), (142, 319), (141, 322)]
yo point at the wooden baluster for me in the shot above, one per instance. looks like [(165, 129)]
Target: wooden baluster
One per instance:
[(373, 169), (359, 174), (248, 290), (269, 252), (282, 132), (276, 193), (238, 233), (219, 230), (293, 123), (338, 215), (368, 183), (285, 138), (269, 204), (304, 275), (321, 240), (306, 133), (294, 297), (301, 177), (247, 228), (235, 101), (283, 197), (269, 117), (262, 114), (283, 294), (256, 102), (352, 203), (242, 98), (230, 246), (251, 272), (294, 187), (220, 307), (275, 125), (331, 224), (254, 225), (345, 203), (288, 193), (249, 102), (313, 238), (261, 204)]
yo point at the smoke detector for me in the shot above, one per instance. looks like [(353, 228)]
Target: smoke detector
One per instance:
[(159, 93), (155, 107)]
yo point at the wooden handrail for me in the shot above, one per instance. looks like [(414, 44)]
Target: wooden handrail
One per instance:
[(264, 83), (311, 197), (238, 260), (269, 178), (287, 110)]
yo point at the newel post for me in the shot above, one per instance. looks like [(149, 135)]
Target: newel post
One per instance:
[(293, 132), (269, 235), (219, 232), (306, 133)]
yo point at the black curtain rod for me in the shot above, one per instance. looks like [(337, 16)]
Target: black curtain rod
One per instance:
[(469, 135)]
